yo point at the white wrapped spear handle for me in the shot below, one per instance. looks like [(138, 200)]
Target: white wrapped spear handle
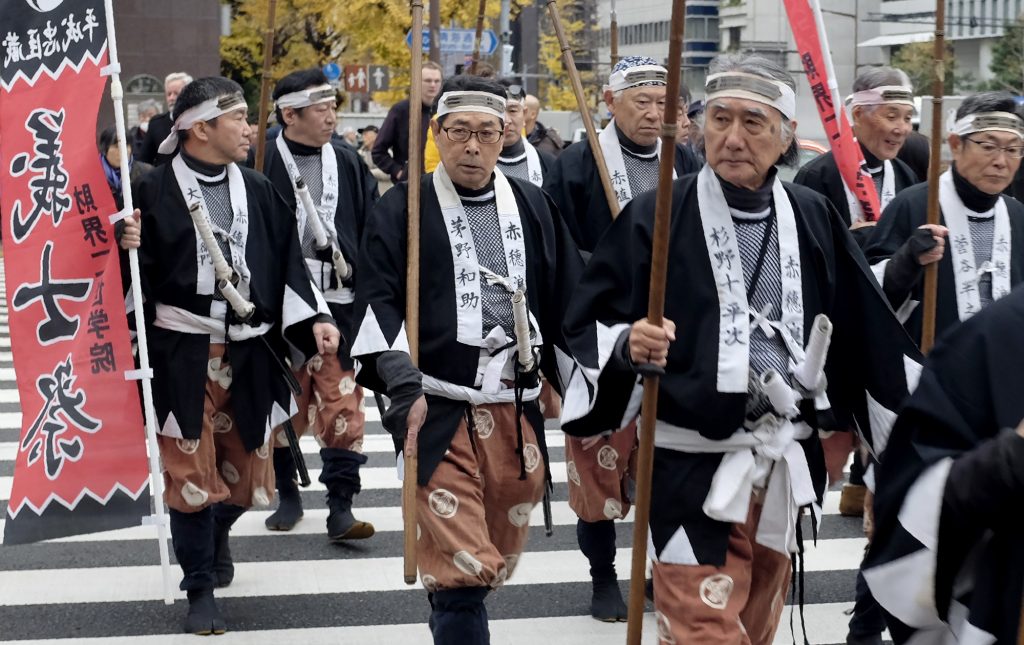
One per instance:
[(225, 275), (779, 393), (812, 370), (341, 267), (521, 318)]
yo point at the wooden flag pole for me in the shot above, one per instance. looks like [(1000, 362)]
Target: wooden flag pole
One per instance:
[(655, 315), (159, 518), (613, 35), (581, 104), (480, 16), (931, 272), (412, 285), (268, 61)]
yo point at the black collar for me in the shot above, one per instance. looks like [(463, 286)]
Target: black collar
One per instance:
[(973, 197), (201, 167), (474, 192), (297, 148), (633, 146), (516, 149), (749, 201), (870, 160)]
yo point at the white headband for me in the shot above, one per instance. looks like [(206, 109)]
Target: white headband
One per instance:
[(468, 101), (740, 85), (989, 121), (307, 97), (637, 76), (205, 111), (883, 95)]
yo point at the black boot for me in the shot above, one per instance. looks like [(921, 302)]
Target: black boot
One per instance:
[(224, 517), (459, 617), (340, 474), (192, 540), (289, 502), (597, 542)]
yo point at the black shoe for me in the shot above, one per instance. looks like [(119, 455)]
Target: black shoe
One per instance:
[(606, 604), (869, 639), (203, 616), (224, 517), (342, 525), (289, 511)]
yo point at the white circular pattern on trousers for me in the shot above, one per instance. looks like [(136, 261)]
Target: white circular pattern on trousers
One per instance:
[(315, 364), (260, 497), (362, 405), (429, 582), (187, 446), (443, 503), (519, 515), (340, 426), (612, 509), (572, 473), (664, 629), (511, 562), (220, 375), (229, 472), (357, 446), (347, 385), (222, 423), (468, 564), (320, 405), (311, 415), (607, 457), (193, 495), (499, 578), (531, 457), (263, 452), (715, 590), (484, 422), (280, 441)]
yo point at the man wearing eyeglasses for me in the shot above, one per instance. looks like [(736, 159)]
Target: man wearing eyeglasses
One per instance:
[(473, 394), (519, 158), (342, 191), (983, 228)]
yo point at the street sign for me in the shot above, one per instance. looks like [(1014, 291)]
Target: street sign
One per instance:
[(459, 41), (380, 78), (332, 71), (356, 78)]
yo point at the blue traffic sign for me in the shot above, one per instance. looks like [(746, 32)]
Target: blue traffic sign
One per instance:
[(459, 41), (332, 71)]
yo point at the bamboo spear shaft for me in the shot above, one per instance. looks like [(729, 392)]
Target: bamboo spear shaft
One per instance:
[(268, 61), (410, 451), (581, 103), (931, 272), (481, 14), (613, 34), (655, 315)]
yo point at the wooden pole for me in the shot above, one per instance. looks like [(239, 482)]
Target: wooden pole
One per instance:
[(268, 60), (412, 285), (655, 315), (481, 14), (435, 31), (581, 104), (613, 34), (931, 272)]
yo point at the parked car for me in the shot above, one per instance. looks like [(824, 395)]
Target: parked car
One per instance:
[(809, 151)]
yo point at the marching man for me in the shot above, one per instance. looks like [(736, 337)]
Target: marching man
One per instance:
[(311, 171), (473, 397), (774, 327), (519, 158), (227, 297)]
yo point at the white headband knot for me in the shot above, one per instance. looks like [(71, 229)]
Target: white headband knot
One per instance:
[(307, 97), (883, 95), (988, 122), (741, 85), (471, 101), (205, 111), (638, 76)]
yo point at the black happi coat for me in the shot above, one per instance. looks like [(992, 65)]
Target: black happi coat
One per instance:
[(575, 186), (822, 176), (867, 349), (553, 266), (167, 261), (357, 193), (907, 212), (967, 524)]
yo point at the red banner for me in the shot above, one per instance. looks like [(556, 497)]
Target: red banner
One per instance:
[(81, 459), (848, 155)]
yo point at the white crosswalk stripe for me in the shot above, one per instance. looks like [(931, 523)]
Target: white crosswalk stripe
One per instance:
[(104, 588)]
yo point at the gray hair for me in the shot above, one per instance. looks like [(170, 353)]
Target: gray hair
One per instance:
[(148, 105), (174, 77), (765, 68), (880, 77), (1000, 101)]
